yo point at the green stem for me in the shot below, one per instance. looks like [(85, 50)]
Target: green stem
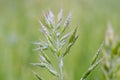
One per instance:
[(61, 68)]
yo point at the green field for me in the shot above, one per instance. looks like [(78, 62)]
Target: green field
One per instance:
[(19, 29)]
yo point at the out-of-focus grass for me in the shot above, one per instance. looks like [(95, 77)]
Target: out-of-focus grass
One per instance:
[(19, 28)]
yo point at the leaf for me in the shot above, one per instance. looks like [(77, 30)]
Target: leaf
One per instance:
[(58, 34), (39, 64), (59, 24), (47, 66), (67, 49), (42, 48), (41, 43), (72, 40), (51, 17), (63, 43), (97, 53), (42, 58), (46, 57), (59, 17), (51, 47), (44, 29), (73, 37), (47, 21), (51, 70), (59, 20), (90, 69), (67, 21), (65, 36), (37, 76), (49, 38)]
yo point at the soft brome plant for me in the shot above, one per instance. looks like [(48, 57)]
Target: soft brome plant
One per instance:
[(57, 41)]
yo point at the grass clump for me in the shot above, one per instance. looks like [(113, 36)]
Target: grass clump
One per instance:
[(111, 55)]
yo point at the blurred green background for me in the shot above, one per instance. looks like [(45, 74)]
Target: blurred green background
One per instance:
[(19, 28)]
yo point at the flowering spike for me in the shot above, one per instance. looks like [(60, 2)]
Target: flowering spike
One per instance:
[(51, 17), (109, 35), (60, 15), (55, 39), (44, 29), (67, 21)]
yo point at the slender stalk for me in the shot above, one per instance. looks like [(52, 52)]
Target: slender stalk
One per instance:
[(61, 68)]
